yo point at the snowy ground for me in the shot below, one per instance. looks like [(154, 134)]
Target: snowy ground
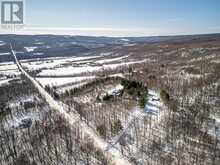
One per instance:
[(7, 66), (152, 108), (63, 81), (70, 70), (111, 60), (5, 54), (114, 90), (69, 66), (117, 75), (54, 62), (6, 81), (8, 71), (214, 128), (17, 118), (46, 63), (16, 122), (2, 43), (154, 104), (30, 49), (62, 89)]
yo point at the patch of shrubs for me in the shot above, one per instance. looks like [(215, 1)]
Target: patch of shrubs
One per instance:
[(102, 130), (48, 88), (137, 90), (52, 91), (165, 97), (192, 70), (134, 88), (56, 95), (4, 111), (116, 127), (28, 105), (143, 101)]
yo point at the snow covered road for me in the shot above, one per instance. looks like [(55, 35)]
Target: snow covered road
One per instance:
[(134, 115), (112, 155), (153, 108)]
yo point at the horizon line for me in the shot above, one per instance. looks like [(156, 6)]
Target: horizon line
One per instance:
[(97, 32)]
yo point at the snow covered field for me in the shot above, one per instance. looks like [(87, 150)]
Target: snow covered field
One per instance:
[(30, 49), (62, 81), (62, 89), (50, 63), (5, 54), (8, 66), (111, 60), (65, 71), (69, 66), (8, 71), (2, 43)]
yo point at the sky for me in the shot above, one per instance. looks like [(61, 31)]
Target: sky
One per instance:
[(121, 17)]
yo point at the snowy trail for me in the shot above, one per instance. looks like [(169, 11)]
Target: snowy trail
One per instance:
[(152, 108), (136, 114), (112, 155)]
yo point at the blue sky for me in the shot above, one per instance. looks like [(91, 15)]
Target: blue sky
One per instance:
[(123, 17)]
